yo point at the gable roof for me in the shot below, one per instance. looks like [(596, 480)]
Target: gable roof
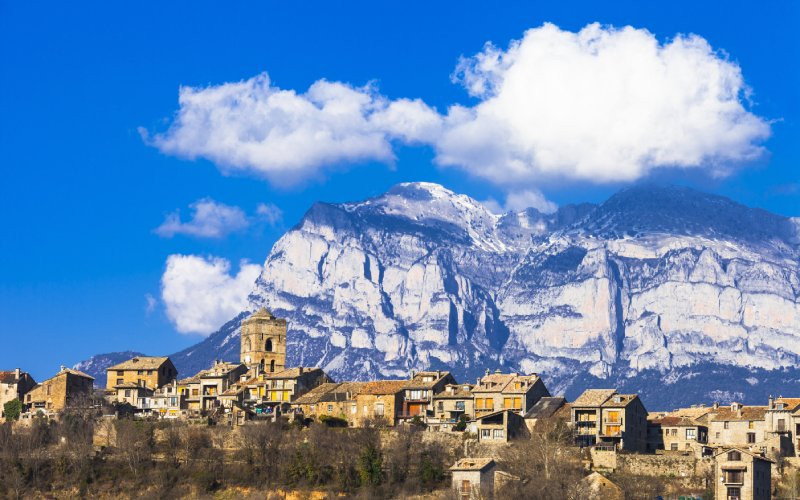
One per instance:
[(472, 464), (418, 380), (382, 387), (8, 377), (620, 400), (742, 450), (745, 413), (593, 397), (674, 421), (140, 363), (460, 391), (502, 382), (546, 407), (790, 404), (74, 372)]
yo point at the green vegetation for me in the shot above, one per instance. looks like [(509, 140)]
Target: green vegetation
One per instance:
[(12, 409)]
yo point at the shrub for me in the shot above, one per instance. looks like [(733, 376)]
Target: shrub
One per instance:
[(12, 409), (332, 421)]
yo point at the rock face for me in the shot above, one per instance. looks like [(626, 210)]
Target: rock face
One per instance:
[(661, 283)]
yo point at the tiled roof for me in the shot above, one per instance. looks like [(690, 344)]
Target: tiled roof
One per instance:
[(472, 464), (8, 377), (381, 387), (141, 363), (593, 397), (129, 385), (546, 407), (673, 421), (315, 395), (620, 400), (493, 382), (291, 373), (696, 412), (791, 404), (460, 391), (418, 382), (746, 413), (262, 313)]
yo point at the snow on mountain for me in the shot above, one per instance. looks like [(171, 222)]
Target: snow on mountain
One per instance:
[(657, 282)]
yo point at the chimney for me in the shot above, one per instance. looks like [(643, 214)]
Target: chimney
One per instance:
[(771, 402), (487, 372), (497, 371), (438, 373), (17, 373), (413, 373), (716, 405), (301, 370), (62, 368)]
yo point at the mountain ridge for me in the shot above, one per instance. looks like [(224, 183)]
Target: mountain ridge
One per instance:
[(653, 280)]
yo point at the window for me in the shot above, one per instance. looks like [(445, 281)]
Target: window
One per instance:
[(781, 425), (479, 403), (365, 410), (460, 405), (119, 381), (268, 346), (613, 416), (287, 395), (127, 393), (330, 408), (691, 433), (466, 489), (517, 403), (440, 405), (486, 433), (379, 409), (353, 408), (734, 456), (272, 366), (673, 446), (498, 434), (674, 432), (751, 437), (725, 424), (734, 493), (734, 476), (751, 424), (517, 385), (120, 373), (506, 402), (716, 435), (149, 372), (139, 372), (416, 394), (489, 403)]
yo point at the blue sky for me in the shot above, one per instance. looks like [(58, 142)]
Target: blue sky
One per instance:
[(87, 91)]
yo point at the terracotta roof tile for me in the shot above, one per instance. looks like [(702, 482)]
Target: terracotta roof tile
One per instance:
[(745, 414), (593, 397), (141, 363)]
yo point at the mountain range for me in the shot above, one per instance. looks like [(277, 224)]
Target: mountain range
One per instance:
[(679, 295)]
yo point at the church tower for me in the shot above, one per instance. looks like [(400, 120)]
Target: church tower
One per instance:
[(263, 339)]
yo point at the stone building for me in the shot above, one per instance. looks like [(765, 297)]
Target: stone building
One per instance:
[(450, 405), (507, 391), (499, 427), (202, 392), (677, 434), (605, 417), (14, 385), (419, 392), (332, 399), (263, 342), (473, 478), (377, 401), (544, 409), (66, 388), (738, 425), (740, 474), (146, 371), (276, 391)]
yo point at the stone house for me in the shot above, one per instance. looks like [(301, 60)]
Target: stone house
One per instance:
[(202, 392), (740, 474), (14, 385), (135, 395), (333, 399), (498, 427), (263, 342), (473, 478), (419, 392), (599, 486), (507, 391), (66, 388), (146, 371), (677, 434), (167, 402), (607, 418), (546, 408), (275, 392), (450, 405), (739, 425), (377, 401)]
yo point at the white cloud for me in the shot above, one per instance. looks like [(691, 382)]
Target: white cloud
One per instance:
[(601, 105), (520, 200), (210, 219), (288, 137), (150, 305), (270, 213), (201, 294)]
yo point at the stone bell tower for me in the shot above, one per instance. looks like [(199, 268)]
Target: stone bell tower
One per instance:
[(263, 339)]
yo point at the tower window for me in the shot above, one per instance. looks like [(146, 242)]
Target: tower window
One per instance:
[(268, 347), (272, 366)]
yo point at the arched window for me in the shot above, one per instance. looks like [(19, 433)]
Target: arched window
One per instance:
[(734, 456), (268, 347), (247, 345), (272, 365)]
